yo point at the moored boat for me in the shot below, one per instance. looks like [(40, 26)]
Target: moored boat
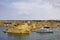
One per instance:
[(44, 30)]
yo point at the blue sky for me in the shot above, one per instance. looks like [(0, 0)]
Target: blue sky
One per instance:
[(29, 9)]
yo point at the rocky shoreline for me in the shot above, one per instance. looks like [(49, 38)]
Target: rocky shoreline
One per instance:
[(29, 26)]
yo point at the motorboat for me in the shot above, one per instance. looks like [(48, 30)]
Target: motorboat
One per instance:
[(44, 30)]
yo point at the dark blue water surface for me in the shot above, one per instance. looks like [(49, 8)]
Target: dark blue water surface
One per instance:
[(31, 36)]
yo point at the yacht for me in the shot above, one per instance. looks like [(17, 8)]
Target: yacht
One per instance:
[(44, 30)]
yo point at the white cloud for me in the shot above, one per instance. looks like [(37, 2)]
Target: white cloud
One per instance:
[(55, 3), (36, 9), (30, 7)]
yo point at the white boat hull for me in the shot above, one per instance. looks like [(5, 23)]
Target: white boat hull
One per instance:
[(44, 31)]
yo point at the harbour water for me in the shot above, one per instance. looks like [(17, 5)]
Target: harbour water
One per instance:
[(31, 36)]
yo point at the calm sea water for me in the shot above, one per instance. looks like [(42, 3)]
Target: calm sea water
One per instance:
[(31, 36)]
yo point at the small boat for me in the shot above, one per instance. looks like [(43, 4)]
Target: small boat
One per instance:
[(44, 30)]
